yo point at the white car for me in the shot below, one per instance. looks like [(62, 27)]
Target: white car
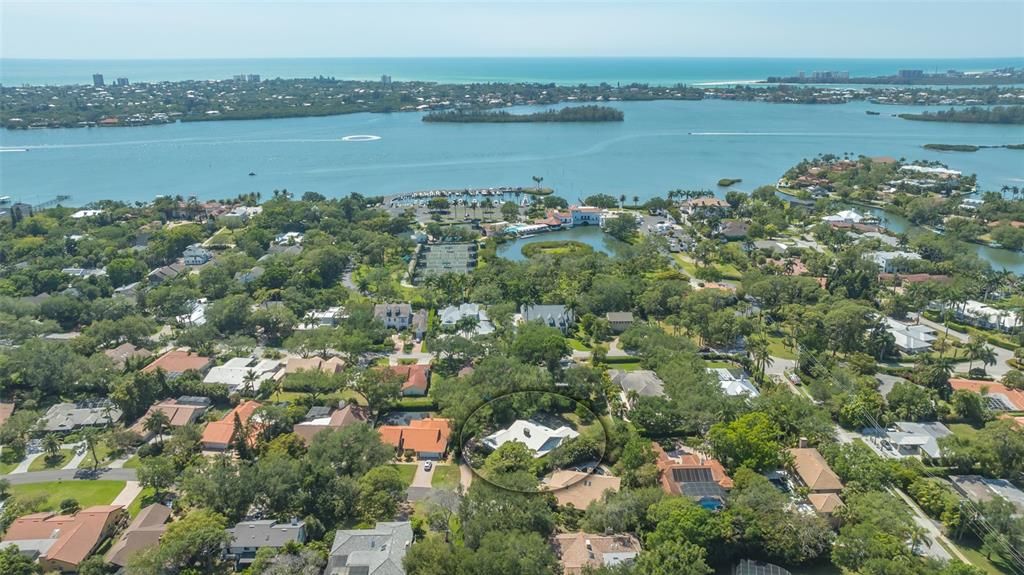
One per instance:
[(428, 465)]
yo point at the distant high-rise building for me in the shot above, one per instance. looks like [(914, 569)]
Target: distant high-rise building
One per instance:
[(255, 78), (97, 80), (122, 81), (909, 74), (385, 79), (239, 77)]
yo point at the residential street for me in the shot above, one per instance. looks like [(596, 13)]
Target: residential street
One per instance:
[(67, 475), (1003, 356)]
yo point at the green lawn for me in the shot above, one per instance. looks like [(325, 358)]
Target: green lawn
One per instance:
[(445, 477), (406, 471), (145, 498), (132, 463), (88, 493), (719, 364), (577, 344), (626, 365), (963, 430), (6, 468), (779, 349), (995, 567), (102, 452), (42, 464)]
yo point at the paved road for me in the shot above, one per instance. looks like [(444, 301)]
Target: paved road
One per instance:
[(1003, 356), (934, 533), (67, 475)]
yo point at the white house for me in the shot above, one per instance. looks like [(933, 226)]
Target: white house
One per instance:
[(844, 217), (234, 372), (451, 315), (196, 255), (986, 316), (910, 338), (323, 318), (85, 214), (892, 262), (536, 437), (734, 382), (196, 315)]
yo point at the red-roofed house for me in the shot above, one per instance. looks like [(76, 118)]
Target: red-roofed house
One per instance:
[(692, 474), (427, 437), (1009, 399), (217, 434), (417, 379), (62, 542), (178, 361)]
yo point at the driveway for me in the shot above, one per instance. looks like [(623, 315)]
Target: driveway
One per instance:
[(23, 466), (76, 460), (131, 490), (423, 478)]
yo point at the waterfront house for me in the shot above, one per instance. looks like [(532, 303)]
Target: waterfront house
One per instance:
[(844, 217), (987, 317), (556, 316), (578, 552), (377, 551), (248, 537), (705, 207), (60, 543), (196, 255)]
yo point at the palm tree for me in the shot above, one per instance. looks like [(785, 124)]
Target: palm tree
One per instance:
[(157, 423), (974, 349), (918, 535), (91, 436), (636, 200), (51, 446), (249, 383), (622, 200), (987, 356), (537, 180), (757, 346)]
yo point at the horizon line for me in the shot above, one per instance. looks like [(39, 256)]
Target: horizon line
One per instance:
[(509, 57)]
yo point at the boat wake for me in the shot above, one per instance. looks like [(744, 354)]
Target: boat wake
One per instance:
[(360, 138)]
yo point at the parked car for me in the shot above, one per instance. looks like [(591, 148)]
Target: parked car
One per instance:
[(428, 465)]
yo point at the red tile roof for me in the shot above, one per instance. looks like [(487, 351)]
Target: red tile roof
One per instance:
[(218, 433), (179, 361), (77, 536), (416, 377), (666, 463), (1015, 396), (421, 435)]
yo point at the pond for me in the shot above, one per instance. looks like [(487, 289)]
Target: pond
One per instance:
[(589, 235)]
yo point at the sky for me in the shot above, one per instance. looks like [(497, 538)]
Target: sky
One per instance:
[(156, 29)]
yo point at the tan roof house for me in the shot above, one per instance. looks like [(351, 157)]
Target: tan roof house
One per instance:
[(577, 551), (143, 532), (320, 419), (579, 489), (122, 353), (178, 361), (813, 471), (297, 364), (180, 412), (62, 542)]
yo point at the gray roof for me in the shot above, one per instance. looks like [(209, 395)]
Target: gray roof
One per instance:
[(68, 416), (392, 309), (644, 382), (620, 316), (266, 533), (552, 315), (452, 314), (379, 551), (932, 431)]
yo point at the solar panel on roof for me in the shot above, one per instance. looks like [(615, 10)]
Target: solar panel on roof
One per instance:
[(697, 475)]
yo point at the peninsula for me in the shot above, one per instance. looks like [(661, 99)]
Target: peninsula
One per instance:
[(973, 115), (571, 114)]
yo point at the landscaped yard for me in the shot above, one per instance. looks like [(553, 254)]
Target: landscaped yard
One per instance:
[(963, 430), (132, 463), (445, 477), (42, 464), (102, 452), (406, 472), (995, 567), (777, 348), (87, 493), (145, 498), (577, 344)]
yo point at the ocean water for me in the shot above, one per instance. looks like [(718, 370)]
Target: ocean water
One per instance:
[(659, 147), (566, 71)]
